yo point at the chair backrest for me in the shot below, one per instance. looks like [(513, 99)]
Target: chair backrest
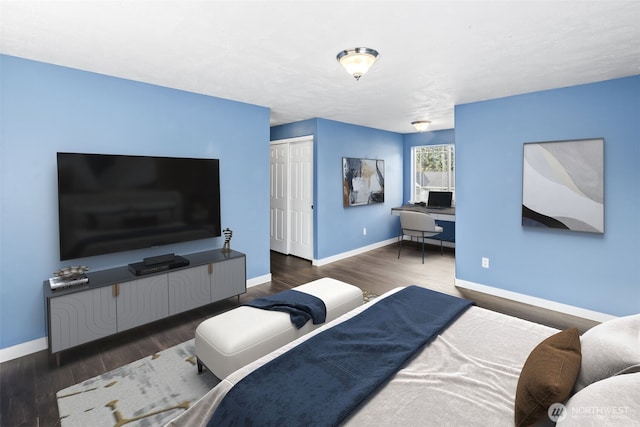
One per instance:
[(417, 221)]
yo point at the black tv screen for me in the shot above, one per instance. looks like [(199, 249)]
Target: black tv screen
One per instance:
[(113, 203)]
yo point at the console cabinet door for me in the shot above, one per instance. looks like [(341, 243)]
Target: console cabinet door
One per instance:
[(142, 301), (228, 279), (81, 317), (188, 289)]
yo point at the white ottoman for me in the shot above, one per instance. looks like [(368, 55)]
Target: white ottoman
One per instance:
[(231, 340)]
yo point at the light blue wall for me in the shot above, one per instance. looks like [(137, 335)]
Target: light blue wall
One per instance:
[(294, 130), (437, 137), (596, 272), (46, 109), (339, 229)]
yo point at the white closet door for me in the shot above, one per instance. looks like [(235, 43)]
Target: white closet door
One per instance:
[(279, 165), (301, 199)]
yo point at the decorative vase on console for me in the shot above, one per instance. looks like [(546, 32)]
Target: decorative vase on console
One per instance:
[(227, 240)]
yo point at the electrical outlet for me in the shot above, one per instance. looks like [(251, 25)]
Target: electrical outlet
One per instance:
[(364, 231), (485, 262)]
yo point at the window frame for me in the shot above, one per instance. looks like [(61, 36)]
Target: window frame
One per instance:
[(450, 185)]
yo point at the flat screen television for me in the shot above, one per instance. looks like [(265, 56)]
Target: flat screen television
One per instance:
[(439, 199), (113, 203)]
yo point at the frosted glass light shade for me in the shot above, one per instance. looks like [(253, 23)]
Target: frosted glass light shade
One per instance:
[(421, 125), (357, 61)]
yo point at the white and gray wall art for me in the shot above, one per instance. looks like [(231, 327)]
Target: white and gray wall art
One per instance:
[(563, 185)]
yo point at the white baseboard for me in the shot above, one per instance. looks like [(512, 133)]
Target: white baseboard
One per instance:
[(571, 310), (437, 242), (344, 255), (24, 349), (258, 280)]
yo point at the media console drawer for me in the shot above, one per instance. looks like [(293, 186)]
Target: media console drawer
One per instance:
[(115, 300)]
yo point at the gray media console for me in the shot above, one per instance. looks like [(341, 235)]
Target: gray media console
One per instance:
[(115, 300)]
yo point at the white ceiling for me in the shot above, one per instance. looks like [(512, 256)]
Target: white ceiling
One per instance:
[(282, 55)]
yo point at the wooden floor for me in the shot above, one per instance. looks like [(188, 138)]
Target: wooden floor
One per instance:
[(28, 385)]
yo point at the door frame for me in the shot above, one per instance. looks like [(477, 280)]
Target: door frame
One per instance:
[(289, 141)]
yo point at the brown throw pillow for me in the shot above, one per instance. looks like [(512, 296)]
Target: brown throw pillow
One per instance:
[(548, 376)]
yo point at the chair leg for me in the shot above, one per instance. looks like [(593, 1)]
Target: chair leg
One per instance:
[(423, 249), (400, 244), (441, 253)]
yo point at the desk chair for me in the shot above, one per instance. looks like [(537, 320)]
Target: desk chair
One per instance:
[(418, 224)]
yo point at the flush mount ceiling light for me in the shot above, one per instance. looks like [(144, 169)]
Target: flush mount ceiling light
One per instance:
[(357, 60), (421, 125)]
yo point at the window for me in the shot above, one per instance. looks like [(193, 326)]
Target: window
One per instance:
[(433, 169)]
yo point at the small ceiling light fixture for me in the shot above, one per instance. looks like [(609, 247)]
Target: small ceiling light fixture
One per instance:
[(357, 60), (421, 125)]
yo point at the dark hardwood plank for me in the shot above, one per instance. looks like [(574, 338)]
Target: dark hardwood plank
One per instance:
[(18, 381), (28, 385)]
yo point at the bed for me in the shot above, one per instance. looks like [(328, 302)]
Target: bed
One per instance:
[(481, 369)]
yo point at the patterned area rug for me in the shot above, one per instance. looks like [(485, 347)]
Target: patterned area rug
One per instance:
[(145, 393), (368, 296), (148, 392)]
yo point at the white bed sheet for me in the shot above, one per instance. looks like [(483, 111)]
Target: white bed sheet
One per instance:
[(466, 376)]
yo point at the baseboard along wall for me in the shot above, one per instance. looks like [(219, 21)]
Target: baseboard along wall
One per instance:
[(532, 308), (358, 251)]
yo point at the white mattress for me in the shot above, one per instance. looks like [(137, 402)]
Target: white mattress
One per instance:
[(466, 376)]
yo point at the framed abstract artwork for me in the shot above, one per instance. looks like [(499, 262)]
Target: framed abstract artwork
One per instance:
[(563, 185), (362, 181)]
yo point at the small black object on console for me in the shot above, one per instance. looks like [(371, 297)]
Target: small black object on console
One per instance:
[(157, 264), (160, 259)]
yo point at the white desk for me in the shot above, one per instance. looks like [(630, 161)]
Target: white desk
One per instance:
[(443, 214)]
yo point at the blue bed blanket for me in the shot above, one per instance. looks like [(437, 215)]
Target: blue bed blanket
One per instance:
[(322, 380), (300, 306)]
